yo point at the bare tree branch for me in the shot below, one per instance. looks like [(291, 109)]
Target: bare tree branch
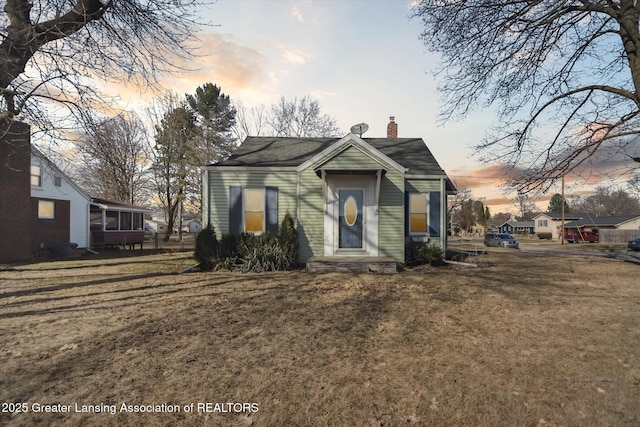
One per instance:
[(564, 77), (62, 44)]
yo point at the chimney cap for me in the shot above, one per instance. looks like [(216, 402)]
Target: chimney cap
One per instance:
[(392, 118)]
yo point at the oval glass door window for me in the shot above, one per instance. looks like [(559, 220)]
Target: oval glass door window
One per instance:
[(350, 211)]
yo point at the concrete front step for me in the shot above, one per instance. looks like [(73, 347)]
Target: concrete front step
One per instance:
[(353, 264)]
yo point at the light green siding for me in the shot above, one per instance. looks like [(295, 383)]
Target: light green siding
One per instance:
[(391, 216), (311, 224), (422, 185), (219, 183), (300, 193), (351, 159)]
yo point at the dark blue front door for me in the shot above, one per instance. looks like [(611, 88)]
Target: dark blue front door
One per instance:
[(350, 218)]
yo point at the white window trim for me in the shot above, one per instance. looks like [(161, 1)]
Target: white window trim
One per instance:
[(264, 210), (427, 213), (31, 175)]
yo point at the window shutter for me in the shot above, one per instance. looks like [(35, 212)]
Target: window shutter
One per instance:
[(434, 214), (271, 214), (407, 213), (235, 210)]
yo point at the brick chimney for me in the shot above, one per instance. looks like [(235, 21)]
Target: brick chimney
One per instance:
[(392, 128)]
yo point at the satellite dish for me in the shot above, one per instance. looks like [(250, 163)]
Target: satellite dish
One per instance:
[(360, 128)]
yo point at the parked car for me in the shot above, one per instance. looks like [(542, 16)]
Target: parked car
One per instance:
[(502, 240), (634, 244)]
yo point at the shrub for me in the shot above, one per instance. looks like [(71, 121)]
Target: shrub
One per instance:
[(207, 248), (262, 253), (288, 238), (419, 253), (544, 236), (228, 246)]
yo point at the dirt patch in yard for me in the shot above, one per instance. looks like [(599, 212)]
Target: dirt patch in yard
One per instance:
[(524, 340)]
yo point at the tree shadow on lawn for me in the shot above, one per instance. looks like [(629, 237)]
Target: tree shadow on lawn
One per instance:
[(95, 261), (241, 342), (140, 293)]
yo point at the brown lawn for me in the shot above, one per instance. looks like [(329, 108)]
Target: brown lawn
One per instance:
[(522, 340)]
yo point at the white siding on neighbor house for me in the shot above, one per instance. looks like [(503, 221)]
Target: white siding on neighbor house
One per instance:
[(552, 226), (78, 201), (634, 224)]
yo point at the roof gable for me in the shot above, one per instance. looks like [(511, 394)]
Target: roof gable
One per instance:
[(353, 143), (54, 168)]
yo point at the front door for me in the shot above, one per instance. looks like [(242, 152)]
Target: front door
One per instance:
[(350, 218)]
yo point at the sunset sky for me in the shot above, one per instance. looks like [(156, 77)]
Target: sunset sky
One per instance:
[(362, 60)]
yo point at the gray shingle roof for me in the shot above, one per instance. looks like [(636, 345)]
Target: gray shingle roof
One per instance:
[(601, 221), (523, 224), (412, 153), (568, 215)]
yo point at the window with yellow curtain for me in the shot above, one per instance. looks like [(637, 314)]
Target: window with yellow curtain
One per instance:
[(418, 213), (46, 209), (254, 199)]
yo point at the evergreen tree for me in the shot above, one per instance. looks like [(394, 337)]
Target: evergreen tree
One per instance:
[(555, 204), (207, 248), (288, 239), (174, 160)]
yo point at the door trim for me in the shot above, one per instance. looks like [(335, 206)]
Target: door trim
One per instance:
[(367, 184)]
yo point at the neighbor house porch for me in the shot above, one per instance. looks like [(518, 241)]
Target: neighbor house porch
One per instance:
[(116, 224)]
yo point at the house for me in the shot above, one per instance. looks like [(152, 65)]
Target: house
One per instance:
[(191, 226), (349, 196), (626, 222), (550, 223), (609, 229), (517, 226), (156, 226), (42, 211)]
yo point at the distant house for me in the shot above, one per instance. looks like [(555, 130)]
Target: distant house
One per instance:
[(155, 225), (517, 227), (349, 196), (626, 222), (551, 222), (192, 226)]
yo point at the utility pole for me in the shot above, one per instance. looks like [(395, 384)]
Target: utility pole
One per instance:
[(562, 241)]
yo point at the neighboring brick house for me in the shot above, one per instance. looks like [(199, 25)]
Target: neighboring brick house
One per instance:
[(41, 209), (43, 212)]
